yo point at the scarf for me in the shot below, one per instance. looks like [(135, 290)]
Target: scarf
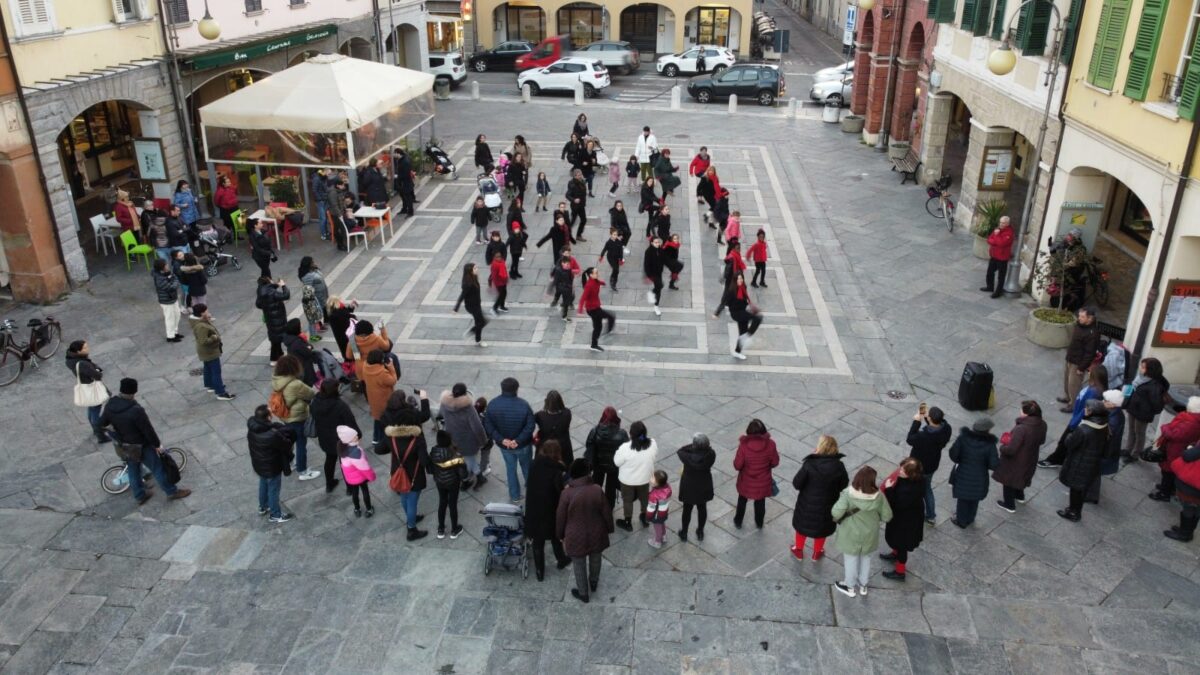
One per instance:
[(741, 292), (1141, 379)]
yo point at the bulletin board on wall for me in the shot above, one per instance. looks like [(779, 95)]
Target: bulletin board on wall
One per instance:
[(1179, 317)]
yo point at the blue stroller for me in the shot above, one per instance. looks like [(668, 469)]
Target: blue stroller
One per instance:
[(504, 536)]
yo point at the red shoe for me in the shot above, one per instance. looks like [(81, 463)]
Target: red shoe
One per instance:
[(797, 552), (817, 555)]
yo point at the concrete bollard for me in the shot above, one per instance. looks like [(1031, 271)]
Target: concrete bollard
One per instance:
[(526, 95), (474, 91), (732, 103), (794, 107), (676, 97), (578, 93)]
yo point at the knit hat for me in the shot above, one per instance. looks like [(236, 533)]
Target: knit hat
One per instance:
[(128, 386), (1114, 396), (347, 434), (983, 425)]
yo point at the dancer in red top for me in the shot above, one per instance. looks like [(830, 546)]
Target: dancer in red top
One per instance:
[(733, 261), (499, 279), (758, 253), (742, 311), (671, 259), (589, 302)]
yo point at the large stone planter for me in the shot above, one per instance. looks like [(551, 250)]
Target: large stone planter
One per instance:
[(898, 149), (980, 247), (853, 124), (1048, 334)]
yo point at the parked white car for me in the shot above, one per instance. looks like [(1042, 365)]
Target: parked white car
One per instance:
[(448, 66), (832, 91), (834, 72), (715, 59), (563, 74)]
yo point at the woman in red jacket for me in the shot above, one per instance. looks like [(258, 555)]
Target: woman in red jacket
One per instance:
[(589, 302), (226, 200), (756, 456), (1175, 437), (499, 280)]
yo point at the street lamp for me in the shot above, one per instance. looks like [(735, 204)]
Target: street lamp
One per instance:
[(208, 27), (1001, 62), (866, 5)]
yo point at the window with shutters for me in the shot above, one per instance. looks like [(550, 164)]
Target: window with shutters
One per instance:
[(931, 9), (975, 16), (1071, 31), (1110, 36), (130, 10), (32, 17), (946, 11), (1145, 45), (177, 11), (253, 6), (998, 20), (1184, 87), (1033, 23)]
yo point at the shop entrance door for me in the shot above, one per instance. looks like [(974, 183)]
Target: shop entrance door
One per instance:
[(639, 27), (712, 26)]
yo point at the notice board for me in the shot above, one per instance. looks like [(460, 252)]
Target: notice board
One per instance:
[(1179, 317)]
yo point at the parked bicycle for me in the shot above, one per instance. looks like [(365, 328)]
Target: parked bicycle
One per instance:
[(45, 337), (115, 479), (1097, 277), (939, 204)]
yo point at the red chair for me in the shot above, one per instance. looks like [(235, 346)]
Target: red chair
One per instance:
[(161, 204)]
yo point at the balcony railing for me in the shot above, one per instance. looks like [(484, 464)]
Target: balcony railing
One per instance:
[(1172, 88)]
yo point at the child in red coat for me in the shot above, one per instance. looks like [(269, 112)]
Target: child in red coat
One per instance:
[(758, 253), (499, 279)]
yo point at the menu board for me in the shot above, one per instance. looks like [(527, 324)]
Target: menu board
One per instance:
[(1179, 319)]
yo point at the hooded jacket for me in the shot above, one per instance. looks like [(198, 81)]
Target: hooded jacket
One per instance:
[(379, 380), (461, 421), (906, 529), (818, 483), (195, 278), (756, 456), (129, 421), (584, 519), (975, 454), (88, 371), (270, 447), (1018, 457), (1086, 447), (402, 425), (208, 340), (328, 413), (696, 482), (447, 466), (270, 299), (556, 426), (296, 395), (858, 534), (635, 467), (602, 444)]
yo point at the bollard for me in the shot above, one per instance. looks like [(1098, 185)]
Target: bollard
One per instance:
[(525, 93), (794, 107), (732, 103), (676, 97), (578, 93), (474, 91)]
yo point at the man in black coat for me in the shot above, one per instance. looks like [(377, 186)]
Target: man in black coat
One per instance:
[(402, 167), (260, 248), (270, 298), (137, 442), (1081, 353), (271, 458), (928, 436), (374, 185)]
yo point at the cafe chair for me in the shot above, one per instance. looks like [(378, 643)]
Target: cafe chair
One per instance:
[(103, 233), (132, 248)]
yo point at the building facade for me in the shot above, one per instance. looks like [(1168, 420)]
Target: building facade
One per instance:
[(893, 57), (1126, 174), (669, 26)]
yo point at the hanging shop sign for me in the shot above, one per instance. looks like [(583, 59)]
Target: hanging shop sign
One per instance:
[(256, 50)]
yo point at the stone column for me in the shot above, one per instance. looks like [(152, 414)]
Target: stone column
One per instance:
[(36, 271), (876, 93), (938, 108), (862, 71), (969, 193), (903, 98)]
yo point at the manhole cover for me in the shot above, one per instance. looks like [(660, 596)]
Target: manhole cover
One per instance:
[(196, 372), (897, 395)]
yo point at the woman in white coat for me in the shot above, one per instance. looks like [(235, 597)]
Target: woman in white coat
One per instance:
[(635, 467)]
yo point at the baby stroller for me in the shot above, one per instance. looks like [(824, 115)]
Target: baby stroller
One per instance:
[(490, 191), (327, 366), (441, 161), (504, 535), (209, 250)]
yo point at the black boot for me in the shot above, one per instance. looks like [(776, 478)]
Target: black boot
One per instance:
[(1185, 529), (539, 563), (415, 534)]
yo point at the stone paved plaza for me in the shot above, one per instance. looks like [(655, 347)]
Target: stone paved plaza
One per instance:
[(868, 295)]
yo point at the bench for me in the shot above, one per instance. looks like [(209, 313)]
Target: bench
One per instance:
[(907, 166)]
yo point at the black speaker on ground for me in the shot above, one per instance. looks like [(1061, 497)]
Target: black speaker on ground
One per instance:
[(975, 387)]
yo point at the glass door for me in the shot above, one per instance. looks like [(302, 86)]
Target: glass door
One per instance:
[(526, 23), (713, 26), (584, 24)]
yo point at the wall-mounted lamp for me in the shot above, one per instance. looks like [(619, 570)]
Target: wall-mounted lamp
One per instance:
[(208, 27)]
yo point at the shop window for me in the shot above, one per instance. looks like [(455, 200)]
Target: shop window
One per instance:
[(583, 24), (1135, 220), (712, 26), (33, 17), (526, 23)]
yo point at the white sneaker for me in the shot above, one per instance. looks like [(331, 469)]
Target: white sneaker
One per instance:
[(480, 344), (848, 591), (650, 297), (657, 311), (737, 355), (862, 590), (310, 474)]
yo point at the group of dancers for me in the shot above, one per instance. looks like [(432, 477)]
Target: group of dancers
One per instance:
[(660, 259)]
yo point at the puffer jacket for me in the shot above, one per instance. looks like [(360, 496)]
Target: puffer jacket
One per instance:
[(927, 444), (208, 340), (270, 299), (88, 372), (510, 417), (906, 529), (296, 395), (602, 444), (756, 456), (270, 447), (328, 413), (858, 534), (166, 286), (1178, 434), (402, 425), (1147, 400), (447, 466), (696, 482), (818, 484), (129, 421), (1086, 447), (461, 421), (975, 454)]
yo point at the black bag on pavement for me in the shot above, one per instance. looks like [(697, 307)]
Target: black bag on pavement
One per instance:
[(975, 387), (170, 468)]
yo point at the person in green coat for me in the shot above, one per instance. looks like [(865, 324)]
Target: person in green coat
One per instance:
[(664, 172), (208, 348), (858, 512)]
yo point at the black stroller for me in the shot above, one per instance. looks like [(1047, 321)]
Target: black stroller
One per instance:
[(208, 245), (441, 161)]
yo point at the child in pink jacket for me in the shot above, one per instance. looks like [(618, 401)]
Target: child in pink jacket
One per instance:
[(733, 228), (355, 469), (657, 506)]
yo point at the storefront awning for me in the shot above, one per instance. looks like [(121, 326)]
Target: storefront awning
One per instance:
[(442, 18), (255, 49)]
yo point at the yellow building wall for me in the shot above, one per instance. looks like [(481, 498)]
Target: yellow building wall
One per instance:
[(1112, 114), (86, 38)]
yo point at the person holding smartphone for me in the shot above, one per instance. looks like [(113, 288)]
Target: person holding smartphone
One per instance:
[(928, 436)]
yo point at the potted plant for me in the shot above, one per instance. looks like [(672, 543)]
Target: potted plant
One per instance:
[(898, 149), (1050, 326), (988, 215), (853, 124)]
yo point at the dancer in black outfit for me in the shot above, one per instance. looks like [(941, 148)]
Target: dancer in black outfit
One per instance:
[(671, 259), (470, 297), (649, 205), (516, 176), (652, 265), (614, 252), (483, 155), (577, 195), (742, 311), (662, 223), (563, 280), (516, 213), (619, 220), (518, 241), (558, 235)]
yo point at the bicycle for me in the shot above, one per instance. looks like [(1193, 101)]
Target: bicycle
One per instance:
[(939, 204), (1097, 278), (45, 337), (115, 479)]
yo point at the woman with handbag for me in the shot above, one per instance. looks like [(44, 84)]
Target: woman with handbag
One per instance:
[(858, 512), (90, 392), (402, 420), (756, 456)]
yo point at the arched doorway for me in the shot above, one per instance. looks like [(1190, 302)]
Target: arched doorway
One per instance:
[(906, 96), (639, 27), (403, 47), (518, 22), (584, 22), (357, 48), (713, 26)]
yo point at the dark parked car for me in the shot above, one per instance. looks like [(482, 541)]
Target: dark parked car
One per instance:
[(501, 57), (757, 81)]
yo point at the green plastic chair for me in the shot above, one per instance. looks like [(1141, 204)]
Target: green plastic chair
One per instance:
[(132, 248), (239, 225)]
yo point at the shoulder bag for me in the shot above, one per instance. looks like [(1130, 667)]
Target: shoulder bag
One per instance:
[(849, 512), (400, 482), (93, 393)]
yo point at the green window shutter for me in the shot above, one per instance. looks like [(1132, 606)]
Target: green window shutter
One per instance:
[(931, 9), (1071, 31), (1145, 44), (1032, 25), (968, 17), (981, 18), (1190, 93), (946, 10), (1107, 54), (998, 20), (1093, 73)]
